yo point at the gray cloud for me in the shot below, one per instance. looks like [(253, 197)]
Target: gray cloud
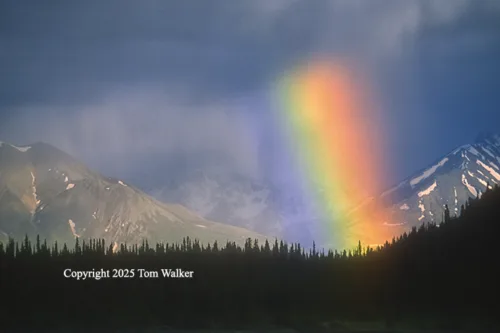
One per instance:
[(129, 125), (105, 79), (64, 51)]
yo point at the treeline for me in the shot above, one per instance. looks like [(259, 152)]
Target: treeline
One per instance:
[(442, 275), (26, 250)]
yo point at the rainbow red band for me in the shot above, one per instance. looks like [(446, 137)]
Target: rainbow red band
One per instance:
[(331, 133)]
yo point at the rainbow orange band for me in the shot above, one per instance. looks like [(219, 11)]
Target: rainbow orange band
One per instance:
[(333, 135)]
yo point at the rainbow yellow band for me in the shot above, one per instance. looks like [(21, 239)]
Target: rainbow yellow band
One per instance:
[(333, 135)]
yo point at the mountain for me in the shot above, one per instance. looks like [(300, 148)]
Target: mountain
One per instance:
[(226, 197), (277, 210), (47, 192), (462, 174), (256, 204)]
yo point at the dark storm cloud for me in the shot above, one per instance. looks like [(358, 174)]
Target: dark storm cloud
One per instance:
[(72, 50), (64, 52), (104, 79)]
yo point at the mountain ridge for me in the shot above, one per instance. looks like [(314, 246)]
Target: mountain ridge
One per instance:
[(45, 191), (450, 181)]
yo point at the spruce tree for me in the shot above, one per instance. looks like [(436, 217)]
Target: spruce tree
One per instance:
[(267, 248)]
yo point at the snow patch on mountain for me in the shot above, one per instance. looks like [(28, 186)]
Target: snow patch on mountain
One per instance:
[(72, 227), (489, 169), (422, 209), (394, 224), (428, 190), (488, 152), (21, 149), (474, 151), (464, 155), (33, 185), (427, 173), (70, 186), (485, 184), (471, 188), (459, 149)]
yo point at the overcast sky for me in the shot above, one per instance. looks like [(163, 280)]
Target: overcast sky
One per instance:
[(120, 84)]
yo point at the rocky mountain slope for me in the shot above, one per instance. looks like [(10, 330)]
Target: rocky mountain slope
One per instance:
[(46, 191), (463, 173)]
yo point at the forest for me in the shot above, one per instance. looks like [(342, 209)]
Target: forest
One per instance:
[(436, 276)]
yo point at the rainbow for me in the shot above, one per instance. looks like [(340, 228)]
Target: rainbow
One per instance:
[(332, 130)]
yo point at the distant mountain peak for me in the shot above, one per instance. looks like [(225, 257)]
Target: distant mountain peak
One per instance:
[(464, 173), (39, 145), (45, 191), (23, 148)]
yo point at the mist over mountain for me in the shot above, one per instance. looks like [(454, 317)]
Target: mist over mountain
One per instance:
[(274, 209), (47, 192)]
